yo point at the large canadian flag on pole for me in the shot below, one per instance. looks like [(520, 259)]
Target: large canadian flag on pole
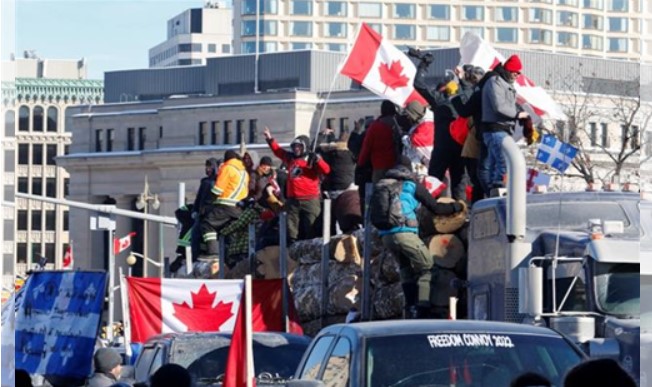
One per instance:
[(474, 50), (121, 244), (381, 68)]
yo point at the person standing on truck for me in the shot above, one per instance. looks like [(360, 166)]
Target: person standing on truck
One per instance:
[(393, 206)]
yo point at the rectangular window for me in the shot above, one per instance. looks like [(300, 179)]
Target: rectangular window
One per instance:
[(594, 133), (189, 47), (37, 154), (21, 252), (21, 222), (617, 44), (301, 7), (572, 3), (506, 35), (476, 30), (337, 47), (160, 132), (592, 22), (540, 36), (438, 33), (266, 27), (66, 186), (142, 137), (212, 48), (439, 12), (618, 5), (605, 135), (239, 130), (634, 143), (405, 32), (404, 11), (66, 221), (23, 154), (617, 24), (539, 15), (300, 28), (50, 220), (593, 4), (265, 7), (215, 132), (226, 48), (66, 150), (110, 138), (37, 218), (50, 252), (228, 132), (253, 131), (473, 13), (370, 10), (568, 19), (51, 187), (506, 14), (203, 133), (592, 42), (567, 39), (37, 186), (336, 8), (99, 139), (301, 45), (23, 185), (50, 154), (337, 30), (131, 139), (344, 125), (330, 123), (376, 27)]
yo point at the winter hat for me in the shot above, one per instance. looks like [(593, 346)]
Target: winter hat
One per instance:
[(513, 64), (415, 111), (171, 375), (301, 140), (387, 108), (231, 154), (106, 359), (266, 160)]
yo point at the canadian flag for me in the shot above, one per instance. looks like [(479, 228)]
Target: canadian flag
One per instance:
[(68, 258), (382, 68), (121, 244), (536, 178), (433, 185), (239, 368), (422, 138), (474, 50)]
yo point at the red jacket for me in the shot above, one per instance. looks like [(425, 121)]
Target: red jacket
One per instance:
[(378, 146), (303, 182)]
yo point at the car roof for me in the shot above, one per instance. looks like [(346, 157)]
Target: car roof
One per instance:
[(403, 327), (567, 196), (257, 336)]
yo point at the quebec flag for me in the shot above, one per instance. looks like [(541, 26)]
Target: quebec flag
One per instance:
[(555, 153), (57, 322)]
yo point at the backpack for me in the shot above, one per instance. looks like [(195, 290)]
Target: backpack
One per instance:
[(385, 209)]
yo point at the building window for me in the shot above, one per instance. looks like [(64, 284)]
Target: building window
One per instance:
[(506, 35), (37, 218), (438, 33), (23, 119), (50, 154), (239, 131), (592, 4), (617, 24), (476, 30), (52, 119), (439, 12), (506, 14), (21, 252), (190, 47), (538, 15), (301, 45), (618, 5), (215, 132), (266, 7), (99, 139), (203, 133), (568, 19), (404, 11), (23, 154), (605, 135), (344, 125), (66, 186), (300, 28), (567, 39), (337, 47), (51, 187), (634, 139), (617, 44), (212, 48), (50, 252), (266, 27), (37, 186), (23, 185), (540, 36), (301, 7), (21, 223), (473, 13), (66, 220), (336, 8), (228, 132), (370, 10), (142, 138), (592, 22), (404, 32), (10, 123), (376, 27), (337, 30), (593, 128), (110, 138), (592, 42), (37, 118), (226, 49), (253, 131), (571, 3), (37, 154), (50, 220), (131, 139)]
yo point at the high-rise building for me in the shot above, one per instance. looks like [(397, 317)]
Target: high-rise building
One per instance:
[(194, 35), (614, 29), (35, 95)]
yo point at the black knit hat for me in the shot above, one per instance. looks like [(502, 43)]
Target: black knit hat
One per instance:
[(266, 160), (106, 359)]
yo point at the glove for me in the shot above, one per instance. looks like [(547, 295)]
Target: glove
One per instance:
[(246, 203), (457, 207), (313, 158), (413, 52)]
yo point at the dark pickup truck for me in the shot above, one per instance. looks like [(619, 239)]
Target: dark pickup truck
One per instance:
[(433, 353)]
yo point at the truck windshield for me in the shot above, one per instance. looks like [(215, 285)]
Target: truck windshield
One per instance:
[(574, 214), (468, 359), (617, 287), (646, 303)]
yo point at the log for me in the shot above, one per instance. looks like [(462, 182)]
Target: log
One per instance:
[(344, 248), (388, 302), (308, 247), (448, 224), (440, 287), (269, 266), (376, 242), (385, 269), (239, 271), (446, 249)]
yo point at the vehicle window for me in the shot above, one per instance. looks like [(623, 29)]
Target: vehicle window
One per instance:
[(315, 358), (157, 361), (618, 288), (469, 359), (143, 364), (565, 274), (336, 373), (574, 214), (646, 303)]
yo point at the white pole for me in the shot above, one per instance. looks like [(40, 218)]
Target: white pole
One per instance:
[(109, 329), (126, 325), (249, 332), (256, 58), (452, 308)]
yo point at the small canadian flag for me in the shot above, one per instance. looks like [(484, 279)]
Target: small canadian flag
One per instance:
[(120, 245), (68, 258)]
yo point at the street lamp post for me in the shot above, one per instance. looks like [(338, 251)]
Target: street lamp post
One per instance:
[(142, 203)]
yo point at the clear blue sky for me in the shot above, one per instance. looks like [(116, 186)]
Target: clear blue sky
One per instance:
[(110, 34)]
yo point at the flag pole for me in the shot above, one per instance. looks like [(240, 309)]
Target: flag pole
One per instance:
[(248, 332), (126, 325), (109, 328)]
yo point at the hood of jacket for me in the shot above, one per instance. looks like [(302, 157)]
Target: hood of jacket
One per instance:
[(304, 140), (400, 172)]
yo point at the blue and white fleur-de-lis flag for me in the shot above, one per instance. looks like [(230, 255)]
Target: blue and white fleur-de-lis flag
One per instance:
[(555, 153), (57, 322)]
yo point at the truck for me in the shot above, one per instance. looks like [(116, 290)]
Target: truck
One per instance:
[(646, 290), (566, 260)]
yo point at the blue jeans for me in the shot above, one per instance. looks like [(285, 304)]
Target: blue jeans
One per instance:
[(492, 166)]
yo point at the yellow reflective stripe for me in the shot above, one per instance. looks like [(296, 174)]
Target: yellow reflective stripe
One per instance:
[(240, 186)]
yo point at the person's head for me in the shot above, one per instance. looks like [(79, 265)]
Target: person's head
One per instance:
[(211, 166), (530, 379), (513, 67), (231, 154), (387, 108), (300, 145), (598, 373), (108, 361), (265, 164), (171, 375), (368, 122), (247, 161), (415, 111), (22, 378), (475, 75)]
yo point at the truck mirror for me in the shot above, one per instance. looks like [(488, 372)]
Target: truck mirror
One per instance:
[(607, 348), (530, 294), (580, 329)]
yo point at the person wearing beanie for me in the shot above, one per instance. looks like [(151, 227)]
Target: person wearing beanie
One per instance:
[(381, 146), (169, 375), (500, 113), (266, 189), (203, 201), (108, 365)]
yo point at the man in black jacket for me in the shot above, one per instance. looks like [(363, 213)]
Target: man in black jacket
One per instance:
[(203, 200)]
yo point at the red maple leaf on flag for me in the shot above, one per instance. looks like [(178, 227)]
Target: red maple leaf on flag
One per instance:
[(391, 75), (202, 316)]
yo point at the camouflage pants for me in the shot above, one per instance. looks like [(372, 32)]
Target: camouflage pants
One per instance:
[(415, 262)]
